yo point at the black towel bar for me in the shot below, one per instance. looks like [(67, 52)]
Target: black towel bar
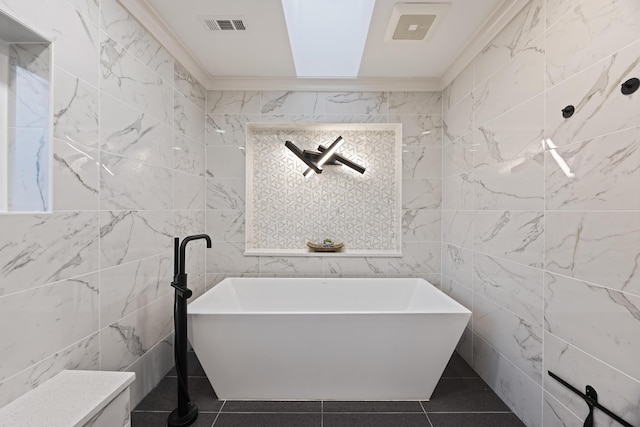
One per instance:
[(591, 398)]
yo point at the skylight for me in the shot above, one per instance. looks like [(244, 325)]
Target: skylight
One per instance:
[(327, 36)]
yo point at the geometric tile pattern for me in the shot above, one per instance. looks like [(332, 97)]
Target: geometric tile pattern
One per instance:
[(289, 210)]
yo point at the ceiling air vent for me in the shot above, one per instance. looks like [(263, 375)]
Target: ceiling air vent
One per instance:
[(216, 23), (414, 21)]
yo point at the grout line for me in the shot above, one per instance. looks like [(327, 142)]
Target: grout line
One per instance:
[(425, 414), (471, 412), (219, 412)]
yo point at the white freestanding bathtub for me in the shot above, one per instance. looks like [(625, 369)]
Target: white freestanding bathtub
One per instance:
[(331, 339)]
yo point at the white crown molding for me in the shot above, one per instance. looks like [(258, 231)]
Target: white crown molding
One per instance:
[(326, 84), (149, 18), (155, 24), (502, 15)]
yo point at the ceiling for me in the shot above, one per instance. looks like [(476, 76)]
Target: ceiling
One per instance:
[(263, 51)]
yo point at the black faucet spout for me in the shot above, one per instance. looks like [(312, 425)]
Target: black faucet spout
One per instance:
[(183, 247)]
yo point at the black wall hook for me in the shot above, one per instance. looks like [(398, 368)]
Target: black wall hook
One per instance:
[(568, 111), (630, 86)]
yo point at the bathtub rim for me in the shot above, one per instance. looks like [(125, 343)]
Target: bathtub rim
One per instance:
[(452, 306)]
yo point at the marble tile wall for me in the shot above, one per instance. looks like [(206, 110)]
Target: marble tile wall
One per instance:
[(421, 116), (548, 262), (87, 286)]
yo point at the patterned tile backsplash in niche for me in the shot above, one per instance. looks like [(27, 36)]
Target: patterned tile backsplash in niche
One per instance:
[(285, 209)]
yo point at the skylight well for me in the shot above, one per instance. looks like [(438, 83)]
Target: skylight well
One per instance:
[(327, 36)]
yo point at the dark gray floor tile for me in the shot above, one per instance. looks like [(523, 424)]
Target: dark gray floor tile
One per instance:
[(375, 420), (194, 368), (159, 419), (268, 420), (360, 406), (458, 367), (271, 406), (464, 395), (164, 396), (475, 420)]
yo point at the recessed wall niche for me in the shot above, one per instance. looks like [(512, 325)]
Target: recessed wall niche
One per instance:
[(25, 119), (285, 210)]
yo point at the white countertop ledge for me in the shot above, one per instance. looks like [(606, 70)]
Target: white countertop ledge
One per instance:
[(71, 398), (361, 253)]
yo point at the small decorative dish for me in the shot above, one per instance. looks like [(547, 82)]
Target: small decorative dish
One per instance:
[(325, 247)]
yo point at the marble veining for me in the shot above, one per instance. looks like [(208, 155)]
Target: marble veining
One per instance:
[(519, 80), (570, 304), (311, 266), (128, 33), (457, 264), (421, 194), (225, 193), (124, 77), (517, 36), (417, 257), (131, 235), (227, 257), (131, 133), (188, 154), (289, 102), (75, 110), (600, 247), (123, 184), (188, 118), (422, 162), (595, 92), (515, 135), (226, 162), (457, 228), (226, 225), (82, 355), (28, 152), (233, 102), (514, 235), (76, 176), (28, 85), (457, 192), (356, 103), (458, 119), (458, 156), (460, 86), (47, 248), (189, 86), (128, 287), (516, 287), (606, 171), (515, 388), (355, 267), (419, 130), (125, 341), (421, 225), (604, 28), (188, 191), (73, 317), (511, 185), (555, 413), (519, 340), (88, 8), (415, 103), (228, 129)]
